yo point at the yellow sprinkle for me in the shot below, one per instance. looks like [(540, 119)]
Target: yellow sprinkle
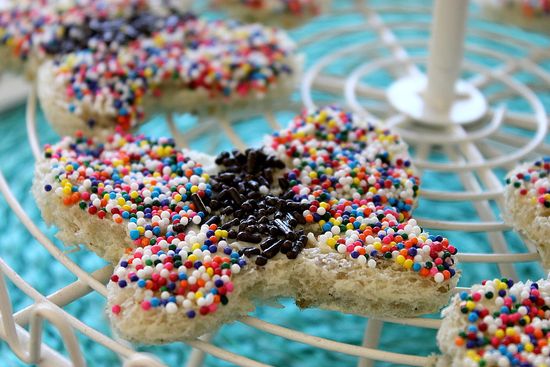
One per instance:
[(331, 242), (195, 246), (502, 285), (499, 333), (529, 347), (194, 189), (400, 259), (198, 295), (473, 355), (322, 116), (510, 331), (408, 263), (192, 257)]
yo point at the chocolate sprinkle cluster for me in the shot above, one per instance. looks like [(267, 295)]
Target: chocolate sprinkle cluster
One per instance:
[(243, 204), (95, 30)]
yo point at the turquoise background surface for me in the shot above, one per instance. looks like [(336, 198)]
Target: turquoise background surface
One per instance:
[(37, 267)]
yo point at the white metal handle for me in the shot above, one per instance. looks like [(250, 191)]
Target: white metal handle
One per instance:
[(446, 52)]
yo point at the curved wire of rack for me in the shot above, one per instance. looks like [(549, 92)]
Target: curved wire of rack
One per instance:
[(473, 153)]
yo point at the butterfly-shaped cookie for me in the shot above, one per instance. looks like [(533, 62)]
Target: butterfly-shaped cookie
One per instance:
[(321, 213)]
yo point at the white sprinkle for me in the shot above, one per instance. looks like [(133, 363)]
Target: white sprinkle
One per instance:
[(171, 307)]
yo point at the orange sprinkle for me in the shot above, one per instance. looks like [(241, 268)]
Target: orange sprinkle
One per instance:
[(424, 272)]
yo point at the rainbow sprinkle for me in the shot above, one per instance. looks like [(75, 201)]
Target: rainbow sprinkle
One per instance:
[(213, 61), (110, 55), (532, 181), (46, 27), (506, 323), (529, 8), (349, 186), (361, 188)]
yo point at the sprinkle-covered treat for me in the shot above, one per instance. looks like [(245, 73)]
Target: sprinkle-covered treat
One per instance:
[(319, 212), (32, 31), (497, 324), (108, 63), (527, 204), (183, 64), (529, 14), (286, 13)]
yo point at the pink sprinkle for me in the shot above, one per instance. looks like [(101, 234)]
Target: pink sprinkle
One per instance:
[(145, 305), (229, 286)]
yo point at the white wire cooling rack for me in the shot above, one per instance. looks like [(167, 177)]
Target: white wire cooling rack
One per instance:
[(474, 151)]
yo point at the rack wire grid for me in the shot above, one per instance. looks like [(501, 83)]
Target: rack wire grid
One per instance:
[(353, 54)]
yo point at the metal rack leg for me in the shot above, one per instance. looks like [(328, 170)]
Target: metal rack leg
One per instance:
[(371, 339), (196, 358)]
